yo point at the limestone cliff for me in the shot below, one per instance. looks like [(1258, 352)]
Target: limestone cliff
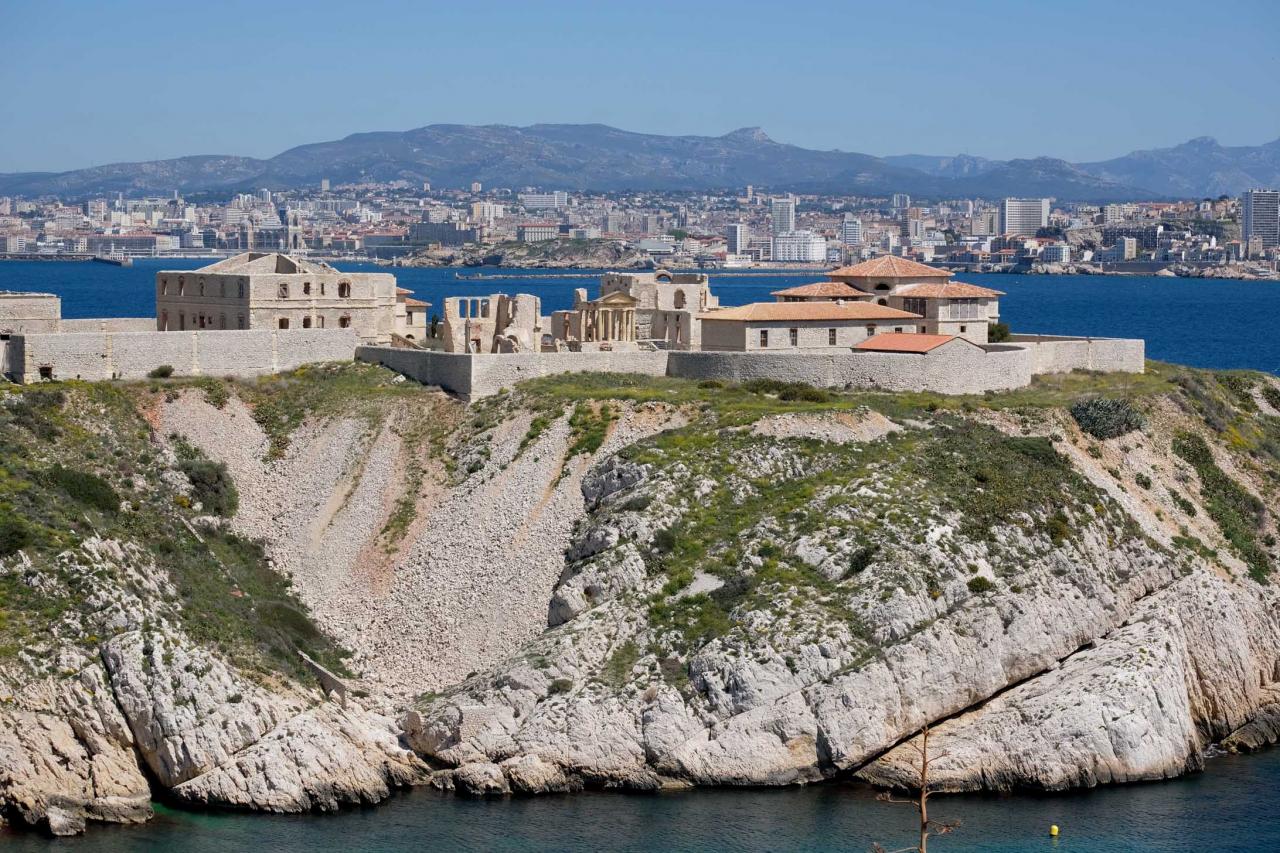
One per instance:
[(623, 582)]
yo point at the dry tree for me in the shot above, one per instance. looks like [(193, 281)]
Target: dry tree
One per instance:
[(928, 827)]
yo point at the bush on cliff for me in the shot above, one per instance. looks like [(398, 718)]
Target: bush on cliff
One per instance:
[(1105, 418)]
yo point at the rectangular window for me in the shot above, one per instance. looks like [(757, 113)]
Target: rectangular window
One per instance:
[(764, 338), (915, 306), (795, 337), (831, 337)]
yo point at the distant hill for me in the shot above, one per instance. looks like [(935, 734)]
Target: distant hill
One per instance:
[(598, 157), (1199, 168)]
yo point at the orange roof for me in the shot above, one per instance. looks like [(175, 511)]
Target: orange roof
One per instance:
[(903, 342), (822, 289), (889, 266), (947, 290), (783, 311), (416, 303)]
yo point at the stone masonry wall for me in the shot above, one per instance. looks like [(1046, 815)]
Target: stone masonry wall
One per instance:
[(132, 355), (1060, 354), (110, 324)]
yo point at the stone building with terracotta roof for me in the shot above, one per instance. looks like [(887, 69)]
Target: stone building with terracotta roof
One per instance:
[(795, 326), (948, 307)]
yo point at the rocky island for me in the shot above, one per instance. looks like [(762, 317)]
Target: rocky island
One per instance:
[(300, 592), (563, 253)]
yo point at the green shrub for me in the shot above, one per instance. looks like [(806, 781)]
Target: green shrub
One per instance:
[(711, 384), (998, 332), (164, 371), (980, 584), (617, 670), (1142, 480), (1059, 528), (34, 410), (211, 485), (1182, 503), (560, 685), (87, 488), (15, 534), (1271, 394), (1104, 418)]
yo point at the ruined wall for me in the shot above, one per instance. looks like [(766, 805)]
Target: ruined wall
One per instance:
[(1060, 354), (132, 355)]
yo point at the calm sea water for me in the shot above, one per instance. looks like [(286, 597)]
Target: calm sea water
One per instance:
[(1202, 322), (1232, 807)]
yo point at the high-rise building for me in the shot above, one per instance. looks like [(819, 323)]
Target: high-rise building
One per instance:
[(901, 201), (738, 237), (1023, 215), (851, 230), (324, 185), (476, 186), (1260, 210), (784, 215)]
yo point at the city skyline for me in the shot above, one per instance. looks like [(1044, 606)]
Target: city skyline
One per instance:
[(255, 81)]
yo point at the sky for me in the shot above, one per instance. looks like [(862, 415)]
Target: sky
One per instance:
[(91, 83)]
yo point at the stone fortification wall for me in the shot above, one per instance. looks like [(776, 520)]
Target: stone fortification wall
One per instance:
[(474, 376), (1061, 354), (110, 324), (954, 368), (132, 355)]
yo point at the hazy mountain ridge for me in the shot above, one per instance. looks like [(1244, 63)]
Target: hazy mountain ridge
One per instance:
[(599, 157)]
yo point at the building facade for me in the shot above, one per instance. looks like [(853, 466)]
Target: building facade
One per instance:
[(1023, 215), (1260, 212), (799, 246), (278, 291), (783, 211)]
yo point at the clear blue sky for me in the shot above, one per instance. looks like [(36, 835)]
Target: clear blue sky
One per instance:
[(90, 83)]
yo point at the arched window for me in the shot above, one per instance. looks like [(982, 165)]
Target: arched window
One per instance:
[(222, 321), (679, 299), (164, 287), (344, 322), (306, 288), (320, 322), (164, 321), (882, 301), (882, 286), (283, 291), (200, 281), (284, 322), (344, 289), (182, 285)]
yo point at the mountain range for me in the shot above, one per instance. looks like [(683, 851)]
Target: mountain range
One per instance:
[(602, 158)]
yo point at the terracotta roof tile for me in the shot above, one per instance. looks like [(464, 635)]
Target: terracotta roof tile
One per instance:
[(889, 266), (800, 311), (903, 342), (823, 289), (948, 290)]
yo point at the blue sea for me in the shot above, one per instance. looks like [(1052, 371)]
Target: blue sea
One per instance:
[(1233, 806), (1201, 322)]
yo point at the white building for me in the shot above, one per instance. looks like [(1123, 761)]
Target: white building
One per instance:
[(784, 215), (545, 201), (851, 230), (901, 201), (1056, 253), (737, 237), (802, 246), (486, 212), (1023, 215), (1260, 210)]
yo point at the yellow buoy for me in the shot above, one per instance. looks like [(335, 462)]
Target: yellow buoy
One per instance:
[(1053, 830)]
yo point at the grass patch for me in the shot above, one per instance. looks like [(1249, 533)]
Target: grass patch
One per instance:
[(1236, 511)]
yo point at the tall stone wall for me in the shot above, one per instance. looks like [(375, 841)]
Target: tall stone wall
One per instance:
[(954, 368), (1062, 354), (110, 324), (132, 355)]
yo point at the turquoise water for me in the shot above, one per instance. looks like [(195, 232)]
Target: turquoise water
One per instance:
[(1202, 322), (1232, 807)]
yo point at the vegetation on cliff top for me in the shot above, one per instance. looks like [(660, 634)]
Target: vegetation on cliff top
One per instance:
[(78, 460)]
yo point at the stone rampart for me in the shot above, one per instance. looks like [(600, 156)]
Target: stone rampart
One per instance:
[(1063, 354), (132, 355), (110, 324)]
